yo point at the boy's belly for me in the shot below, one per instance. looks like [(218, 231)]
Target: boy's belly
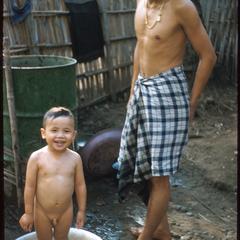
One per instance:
[(55, 194)]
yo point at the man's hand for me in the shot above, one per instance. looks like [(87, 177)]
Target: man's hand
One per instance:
[(26, 222), (193, 108)]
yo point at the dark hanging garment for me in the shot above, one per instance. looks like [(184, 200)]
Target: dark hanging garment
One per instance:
[(18, 14), (85, 29)]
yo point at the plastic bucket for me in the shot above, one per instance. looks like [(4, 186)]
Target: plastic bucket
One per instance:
[(40, 82), (74, 234)]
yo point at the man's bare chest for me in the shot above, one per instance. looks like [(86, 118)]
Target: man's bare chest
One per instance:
[(156, 30)]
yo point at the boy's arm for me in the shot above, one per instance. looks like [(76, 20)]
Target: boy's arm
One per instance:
[(81, 193), (26, 221), (202, 45)]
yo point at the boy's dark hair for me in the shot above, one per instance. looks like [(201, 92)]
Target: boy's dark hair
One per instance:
[(56, 112)]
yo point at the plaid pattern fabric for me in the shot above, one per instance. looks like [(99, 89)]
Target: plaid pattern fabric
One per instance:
[(155, 129)]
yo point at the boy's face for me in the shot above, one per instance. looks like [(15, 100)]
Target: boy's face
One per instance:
[(59, 133)]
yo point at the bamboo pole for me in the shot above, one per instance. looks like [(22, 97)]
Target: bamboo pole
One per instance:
[(12, 117)]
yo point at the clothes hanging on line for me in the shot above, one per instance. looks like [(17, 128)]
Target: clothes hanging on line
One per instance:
[(85, 30), (18, 14)]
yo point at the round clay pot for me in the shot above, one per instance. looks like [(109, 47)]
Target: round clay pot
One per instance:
[(101, 151)]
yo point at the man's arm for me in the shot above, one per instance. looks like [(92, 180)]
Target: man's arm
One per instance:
[(135, 68), (81, 193), (198, 37), (135, 63), (26, 221)]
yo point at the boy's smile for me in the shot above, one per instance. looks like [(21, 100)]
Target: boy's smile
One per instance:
[(59, 133)]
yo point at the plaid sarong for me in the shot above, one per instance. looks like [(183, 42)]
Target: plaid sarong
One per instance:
[(155, 129)]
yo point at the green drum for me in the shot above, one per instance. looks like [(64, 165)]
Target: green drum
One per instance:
[(40, 82)]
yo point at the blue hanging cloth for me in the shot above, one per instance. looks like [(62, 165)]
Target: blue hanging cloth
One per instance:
[(19, 14)]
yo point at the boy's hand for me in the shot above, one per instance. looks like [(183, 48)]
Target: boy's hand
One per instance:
[(26, 222), (80, 219)]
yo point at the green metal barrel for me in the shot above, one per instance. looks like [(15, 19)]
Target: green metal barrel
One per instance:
[(40, 82)]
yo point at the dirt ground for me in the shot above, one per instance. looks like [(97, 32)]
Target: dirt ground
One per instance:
[(204, 191)]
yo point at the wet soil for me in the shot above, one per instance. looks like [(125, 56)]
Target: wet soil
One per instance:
[(204, 191)]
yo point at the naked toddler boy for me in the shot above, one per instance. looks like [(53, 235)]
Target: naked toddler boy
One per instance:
[(53, 173)]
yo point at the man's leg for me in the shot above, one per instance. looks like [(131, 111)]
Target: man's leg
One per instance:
[(161, 233), (157, 208)]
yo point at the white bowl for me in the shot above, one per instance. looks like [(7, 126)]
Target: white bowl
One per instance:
[(74, 234)]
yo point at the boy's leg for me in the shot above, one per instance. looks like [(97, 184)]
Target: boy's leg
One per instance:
[(42, 224), (157, 207), (63, 225)]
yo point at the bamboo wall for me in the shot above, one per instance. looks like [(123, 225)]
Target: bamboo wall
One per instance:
[(46, 31), (220, 17)]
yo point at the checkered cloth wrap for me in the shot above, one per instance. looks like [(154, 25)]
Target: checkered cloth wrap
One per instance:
[(155, 129)]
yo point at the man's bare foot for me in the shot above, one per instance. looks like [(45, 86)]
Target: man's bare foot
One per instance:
[(158, 235), (136, 231)]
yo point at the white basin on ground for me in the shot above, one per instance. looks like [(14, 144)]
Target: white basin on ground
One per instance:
[(74, 234)]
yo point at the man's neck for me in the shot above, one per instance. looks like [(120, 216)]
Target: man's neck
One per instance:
[(154, 3)]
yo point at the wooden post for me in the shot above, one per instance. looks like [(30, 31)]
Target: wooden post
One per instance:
[(12, 117)]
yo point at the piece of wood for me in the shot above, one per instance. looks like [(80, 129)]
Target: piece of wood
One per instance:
[(13, 120)]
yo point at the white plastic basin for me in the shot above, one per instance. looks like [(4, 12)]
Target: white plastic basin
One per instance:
[(74, 234)]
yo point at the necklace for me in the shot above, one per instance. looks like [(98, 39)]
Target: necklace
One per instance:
[(158, 19)]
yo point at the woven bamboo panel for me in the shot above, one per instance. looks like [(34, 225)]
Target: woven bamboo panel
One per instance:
[(220, 17), (122, 43), (46, 31)]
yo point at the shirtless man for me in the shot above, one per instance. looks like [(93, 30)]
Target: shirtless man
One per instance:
[(54, 172), (159, 108)]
